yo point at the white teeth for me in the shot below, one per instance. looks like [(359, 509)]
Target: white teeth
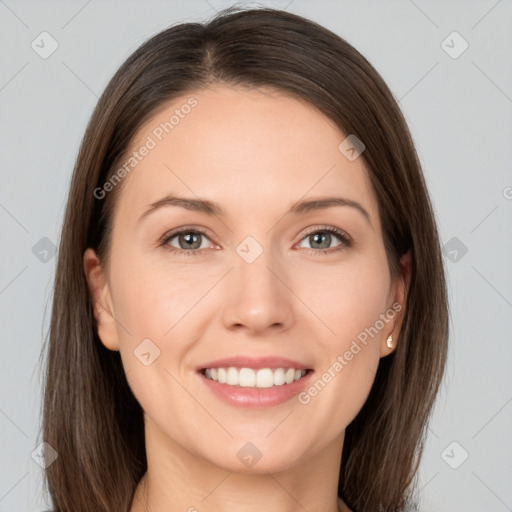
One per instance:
[(232, 377), (264, 378), (249, 378), (222, 375), (279, 377)]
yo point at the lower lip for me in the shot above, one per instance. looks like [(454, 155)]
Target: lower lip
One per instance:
[(256, 398)]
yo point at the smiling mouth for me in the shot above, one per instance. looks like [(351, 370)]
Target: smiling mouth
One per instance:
[(249, 378)]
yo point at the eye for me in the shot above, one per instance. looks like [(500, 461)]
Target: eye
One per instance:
[(320, 239), (192, 241), (185, 241)]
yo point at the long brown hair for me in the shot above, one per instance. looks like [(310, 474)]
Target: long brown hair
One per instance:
[(90, 416)]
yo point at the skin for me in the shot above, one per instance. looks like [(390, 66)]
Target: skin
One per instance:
[(255, 152)]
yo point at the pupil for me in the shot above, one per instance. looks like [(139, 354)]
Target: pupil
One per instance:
[(318, 238), (191, 239)]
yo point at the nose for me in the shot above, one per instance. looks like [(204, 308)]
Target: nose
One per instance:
[(258, 296)]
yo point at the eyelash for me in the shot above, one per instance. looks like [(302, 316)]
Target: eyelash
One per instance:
[(346, 241)]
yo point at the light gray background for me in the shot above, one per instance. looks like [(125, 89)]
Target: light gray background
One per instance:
[(459, 111)]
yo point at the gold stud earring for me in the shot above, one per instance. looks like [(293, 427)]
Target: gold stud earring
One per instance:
[(389, 341)]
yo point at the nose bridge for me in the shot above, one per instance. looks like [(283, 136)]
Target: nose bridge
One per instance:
[(257, 298)]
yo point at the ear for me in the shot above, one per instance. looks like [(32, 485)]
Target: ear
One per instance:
[(102, 300), (401, 289)]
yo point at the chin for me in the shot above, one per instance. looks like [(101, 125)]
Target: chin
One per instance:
[(255, 458)]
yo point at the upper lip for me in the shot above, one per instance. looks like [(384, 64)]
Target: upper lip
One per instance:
[(255, 363)]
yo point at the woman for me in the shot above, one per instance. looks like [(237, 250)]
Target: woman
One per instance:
[(293, 362)]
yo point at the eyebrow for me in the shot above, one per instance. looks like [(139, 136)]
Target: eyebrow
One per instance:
[(213, 208)]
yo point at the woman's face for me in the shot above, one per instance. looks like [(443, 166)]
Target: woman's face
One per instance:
[(258, 275)]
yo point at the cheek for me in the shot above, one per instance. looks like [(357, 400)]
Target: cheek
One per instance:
[(339, 302), (351, 303), (348, 298), (156, 297), (160, 306)]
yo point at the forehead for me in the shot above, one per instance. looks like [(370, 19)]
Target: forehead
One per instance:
[(247, 149)]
